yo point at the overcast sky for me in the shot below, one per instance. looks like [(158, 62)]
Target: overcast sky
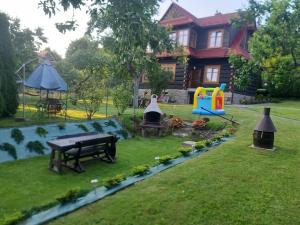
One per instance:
[(31, 16)]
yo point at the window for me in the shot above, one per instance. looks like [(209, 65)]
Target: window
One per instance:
[(215, 39), (193, 39), (169, 67), (183, 37), (212, 74), (172, 36)]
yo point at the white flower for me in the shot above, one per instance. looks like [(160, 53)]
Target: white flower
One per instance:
[(94, 181), (156, 158)]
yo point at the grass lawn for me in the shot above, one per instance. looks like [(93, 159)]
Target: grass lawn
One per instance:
[(28, 183), (232, 184)]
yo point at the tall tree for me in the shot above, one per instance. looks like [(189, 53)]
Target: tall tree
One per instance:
[(8, 89), (275, 45), (133, 30), (26, 42)]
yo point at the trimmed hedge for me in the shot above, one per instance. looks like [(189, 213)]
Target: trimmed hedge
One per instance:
[(140, 170), (185, 151), (113, 181)]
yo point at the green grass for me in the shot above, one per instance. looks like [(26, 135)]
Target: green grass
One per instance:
[(232, 184), (29, 183)]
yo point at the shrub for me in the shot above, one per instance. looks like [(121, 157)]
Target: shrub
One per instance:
[(111, 124), (17, 135), (140, 170), (226, 134), (207, 143), (215, 125), (41, 131), (185, 151), (72, 195), (97, 126), (122, 132), (206, 119), (121, 96), (165, 159), (217, 138), (199, 145), (61, 126), (113, 181), (10, 149), (83, 127), (36, 146)]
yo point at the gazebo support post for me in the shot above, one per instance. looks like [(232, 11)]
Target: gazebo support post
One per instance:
[(106, 101), (23, 91), (66, 105)]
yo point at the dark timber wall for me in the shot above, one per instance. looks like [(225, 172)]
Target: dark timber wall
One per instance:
[(179, 74), (225, 72)]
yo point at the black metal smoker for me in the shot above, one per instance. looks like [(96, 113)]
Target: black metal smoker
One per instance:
[(263, 135)]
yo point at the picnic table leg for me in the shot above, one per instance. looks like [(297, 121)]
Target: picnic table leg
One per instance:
[(55, 161), (52, 157), (77, 166)]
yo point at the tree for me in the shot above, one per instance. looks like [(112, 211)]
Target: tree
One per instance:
[(121, 95), (275, 45), (244, 70), (133, 30), (91, 62), (8, 89), (91, 93), (158, 79), (26, 42)]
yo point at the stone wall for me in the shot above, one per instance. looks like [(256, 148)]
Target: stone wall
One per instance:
[(182, 96), (173, 95)]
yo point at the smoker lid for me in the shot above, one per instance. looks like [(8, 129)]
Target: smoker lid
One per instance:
[(153, 106), (266, 124)]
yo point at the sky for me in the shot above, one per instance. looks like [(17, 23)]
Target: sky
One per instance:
[(31, 16)]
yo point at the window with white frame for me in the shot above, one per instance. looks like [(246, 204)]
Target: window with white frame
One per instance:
[(183, 37), (212, 74), (215, 39)]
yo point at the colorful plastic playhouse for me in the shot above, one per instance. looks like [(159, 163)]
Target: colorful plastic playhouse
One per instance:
[(205, 104)]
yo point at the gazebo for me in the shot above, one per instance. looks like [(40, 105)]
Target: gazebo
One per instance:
[(45, 77)]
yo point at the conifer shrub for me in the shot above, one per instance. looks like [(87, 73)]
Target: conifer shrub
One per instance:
[(17, 135)]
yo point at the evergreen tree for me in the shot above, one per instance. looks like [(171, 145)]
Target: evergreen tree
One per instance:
[(8, 87)]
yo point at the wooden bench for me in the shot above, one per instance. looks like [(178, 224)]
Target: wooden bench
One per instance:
[(73, 148)]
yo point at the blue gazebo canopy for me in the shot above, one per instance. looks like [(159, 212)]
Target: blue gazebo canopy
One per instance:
[(46, 77)]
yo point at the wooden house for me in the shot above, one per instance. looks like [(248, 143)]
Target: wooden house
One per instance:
[(207, 43)]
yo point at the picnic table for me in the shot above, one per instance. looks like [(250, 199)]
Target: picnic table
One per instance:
[(72, 148)]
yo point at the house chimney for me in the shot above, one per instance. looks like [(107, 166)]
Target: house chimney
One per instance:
[(263, 135)]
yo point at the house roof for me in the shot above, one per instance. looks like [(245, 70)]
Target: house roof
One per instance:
[(186, 17), (218, 19)]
